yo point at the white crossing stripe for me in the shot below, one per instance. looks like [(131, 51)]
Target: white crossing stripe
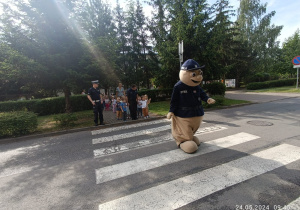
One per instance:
[(123, 127), (132, 134), (291, 206), (147, 142), (142, 164), (150, 131), (185, 190), (131, 145)]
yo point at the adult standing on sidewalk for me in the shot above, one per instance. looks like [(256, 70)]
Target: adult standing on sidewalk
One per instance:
[(132, 95), (120, 92), (95, 98)]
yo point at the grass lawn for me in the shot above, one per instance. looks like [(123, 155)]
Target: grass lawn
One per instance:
[(286, 89), (162, 107), (84, 118)]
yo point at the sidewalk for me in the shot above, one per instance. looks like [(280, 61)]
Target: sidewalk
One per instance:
[(259, 97)]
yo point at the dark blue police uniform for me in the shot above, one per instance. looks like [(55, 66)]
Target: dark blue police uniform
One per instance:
[(131, 95), (186, 101), (98, 108)]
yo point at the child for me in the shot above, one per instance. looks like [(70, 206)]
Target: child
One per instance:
[(114, 102), (124, 108), (118, 109), (139, 107), (145, 103), (107, 103), (128, 111)]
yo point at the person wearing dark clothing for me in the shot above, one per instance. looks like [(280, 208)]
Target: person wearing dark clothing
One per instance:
[(132, 95), (95, 98)]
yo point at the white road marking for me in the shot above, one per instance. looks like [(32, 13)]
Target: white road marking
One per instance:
[(142, 164), (131, 145), (131, 134), (292, 206), (124, 127), (185, 190), (150, 131), (147, 142)]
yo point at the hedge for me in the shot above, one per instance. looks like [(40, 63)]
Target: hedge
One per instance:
[(17, 123), (270, 84), (215, 88), (157, 94), (47, 106)]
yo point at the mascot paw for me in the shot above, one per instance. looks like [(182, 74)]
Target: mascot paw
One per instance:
[(196, 140), (169, 115), (189, 146), (211, 101)]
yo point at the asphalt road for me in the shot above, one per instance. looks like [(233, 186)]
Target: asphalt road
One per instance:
[(249, 159)]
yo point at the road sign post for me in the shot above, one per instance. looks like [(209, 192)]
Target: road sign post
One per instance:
[(296, 62), (180, 52)]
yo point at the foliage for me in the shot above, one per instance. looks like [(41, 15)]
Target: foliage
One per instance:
[(46, 106), (220, 100), (17, 123), (258, 35), (215, 88), (157, 94), (269, 84), (66, 120)]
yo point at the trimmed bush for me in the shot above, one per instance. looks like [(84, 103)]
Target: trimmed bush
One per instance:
[(270, 84), (47, 106), (220, 100), (215, 88), (17, 123), (66, 120), (157, 94)]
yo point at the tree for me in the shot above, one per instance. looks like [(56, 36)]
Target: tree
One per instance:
[(290, 49), (258, 33), (100, 37), (44, 32)]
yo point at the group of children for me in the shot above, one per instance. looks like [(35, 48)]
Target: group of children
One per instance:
[(120, 106)]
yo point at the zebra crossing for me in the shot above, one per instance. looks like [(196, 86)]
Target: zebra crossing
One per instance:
[(184, 190)]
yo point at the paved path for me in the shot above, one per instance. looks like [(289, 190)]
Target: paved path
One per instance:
[(259, 97)]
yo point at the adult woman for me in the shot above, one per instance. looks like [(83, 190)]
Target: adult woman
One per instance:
[(120, 92)]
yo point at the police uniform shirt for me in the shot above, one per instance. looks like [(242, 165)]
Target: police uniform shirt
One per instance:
[(94, 93), (131, 94), (186, 101)]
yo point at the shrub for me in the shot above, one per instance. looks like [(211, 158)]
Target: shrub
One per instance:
[(47, 106), (269, 84), (157, 94), (65, 120), (215, 88), (220, 100), (17, 123)]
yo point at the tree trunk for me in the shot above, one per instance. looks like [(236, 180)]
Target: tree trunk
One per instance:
[(67, 93)]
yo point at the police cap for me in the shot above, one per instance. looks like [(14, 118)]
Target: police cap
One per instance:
[(95, 82), (190, 65)]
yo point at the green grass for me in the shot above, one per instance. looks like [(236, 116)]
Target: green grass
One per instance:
[(162, 108), (286, 89), (85, 118)]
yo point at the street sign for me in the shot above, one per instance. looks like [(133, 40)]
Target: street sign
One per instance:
[(296, 60)]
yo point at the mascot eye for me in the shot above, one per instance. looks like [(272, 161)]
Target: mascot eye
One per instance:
[(201, 73), (193, 74)]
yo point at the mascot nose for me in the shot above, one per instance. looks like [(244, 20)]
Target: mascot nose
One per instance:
[(199, 77)]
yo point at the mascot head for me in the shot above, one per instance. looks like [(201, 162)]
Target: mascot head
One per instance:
[(190, 73)]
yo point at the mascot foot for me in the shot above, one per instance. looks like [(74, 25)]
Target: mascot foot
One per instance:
[(196, 140), (189, 146)]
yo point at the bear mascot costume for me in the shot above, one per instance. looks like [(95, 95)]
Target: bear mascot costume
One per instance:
[(186, 108)]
